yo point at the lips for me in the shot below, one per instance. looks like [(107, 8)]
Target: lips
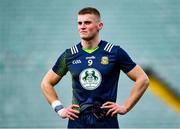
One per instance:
[(83, 31)]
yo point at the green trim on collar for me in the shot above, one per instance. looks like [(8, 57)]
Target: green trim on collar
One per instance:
[(90, 50)]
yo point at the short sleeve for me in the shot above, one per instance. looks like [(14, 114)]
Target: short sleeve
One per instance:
[(125, 62), (60, 66)]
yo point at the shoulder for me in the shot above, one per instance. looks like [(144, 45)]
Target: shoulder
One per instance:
[(115, 49), (110, 47), (73, 49)]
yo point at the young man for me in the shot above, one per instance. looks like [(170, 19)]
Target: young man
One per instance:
[(95, 66)]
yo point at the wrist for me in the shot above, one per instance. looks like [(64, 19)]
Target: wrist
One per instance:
[(123, 109), (60, 112), (57, 106)]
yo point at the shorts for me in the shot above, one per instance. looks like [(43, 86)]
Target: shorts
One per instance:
[(88, 120)]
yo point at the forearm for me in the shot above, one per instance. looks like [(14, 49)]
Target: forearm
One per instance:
[(49, 92), (138, 90), (51, 95)]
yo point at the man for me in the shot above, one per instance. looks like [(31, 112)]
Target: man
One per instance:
[(95, 67)]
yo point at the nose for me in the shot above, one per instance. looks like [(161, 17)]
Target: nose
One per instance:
[(83, 26)]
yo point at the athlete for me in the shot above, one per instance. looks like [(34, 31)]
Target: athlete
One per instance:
[(95, 67)]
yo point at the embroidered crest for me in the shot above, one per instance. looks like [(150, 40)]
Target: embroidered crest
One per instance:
[(104, 60)]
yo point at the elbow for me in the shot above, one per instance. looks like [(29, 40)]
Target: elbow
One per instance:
[(146, 82), (42, 85), (45, 85)]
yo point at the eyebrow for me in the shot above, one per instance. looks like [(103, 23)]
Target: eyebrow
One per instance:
[(80, 22)]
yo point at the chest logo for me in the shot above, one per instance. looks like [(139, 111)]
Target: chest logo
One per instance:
[(90, 78), (104, 60)]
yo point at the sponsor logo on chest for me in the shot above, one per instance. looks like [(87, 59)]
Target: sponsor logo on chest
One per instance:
[(90, 78)]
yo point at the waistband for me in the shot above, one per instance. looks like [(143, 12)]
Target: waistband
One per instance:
[(96, 110)]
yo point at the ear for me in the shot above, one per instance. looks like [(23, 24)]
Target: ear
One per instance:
[(100, 26)]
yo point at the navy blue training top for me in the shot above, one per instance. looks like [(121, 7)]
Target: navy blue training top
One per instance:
[(94, 75)]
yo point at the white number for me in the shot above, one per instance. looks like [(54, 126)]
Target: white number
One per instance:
[(90, 62)]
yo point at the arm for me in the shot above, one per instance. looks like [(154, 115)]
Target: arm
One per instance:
[(141, 83), (47, 86)]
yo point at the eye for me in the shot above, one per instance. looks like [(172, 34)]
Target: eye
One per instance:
[(87, 22), (79, 23)]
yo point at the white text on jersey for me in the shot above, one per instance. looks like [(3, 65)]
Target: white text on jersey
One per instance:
[(76, 62)]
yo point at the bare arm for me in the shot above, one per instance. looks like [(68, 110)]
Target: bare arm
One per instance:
[(141, 83), (47, 86)]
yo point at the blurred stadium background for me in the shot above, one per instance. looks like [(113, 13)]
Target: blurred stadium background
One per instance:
[(33, 33)]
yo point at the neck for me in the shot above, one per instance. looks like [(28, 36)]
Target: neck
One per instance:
[(90, 44)]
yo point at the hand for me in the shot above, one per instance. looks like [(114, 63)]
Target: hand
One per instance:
[(114, 108), (69, 112)]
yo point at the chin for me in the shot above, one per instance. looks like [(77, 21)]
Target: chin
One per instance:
[(87, 38)]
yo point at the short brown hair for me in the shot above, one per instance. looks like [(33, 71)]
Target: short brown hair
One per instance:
[(90, 10)]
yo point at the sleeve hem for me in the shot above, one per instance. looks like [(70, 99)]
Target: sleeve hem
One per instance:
[(130, 68)]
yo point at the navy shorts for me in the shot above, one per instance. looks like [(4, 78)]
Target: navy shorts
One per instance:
[(88, 120)]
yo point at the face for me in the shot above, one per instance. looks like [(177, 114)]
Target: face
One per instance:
[(88, 26)]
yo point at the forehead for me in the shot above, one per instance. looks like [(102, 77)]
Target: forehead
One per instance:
[(87, 17)]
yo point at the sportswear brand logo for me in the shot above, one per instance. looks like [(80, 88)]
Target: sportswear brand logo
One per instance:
[(90, 57), (74, 50), (76, 62), (108, 47)]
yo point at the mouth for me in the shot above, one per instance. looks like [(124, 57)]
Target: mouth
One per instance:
[(82, 32)]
